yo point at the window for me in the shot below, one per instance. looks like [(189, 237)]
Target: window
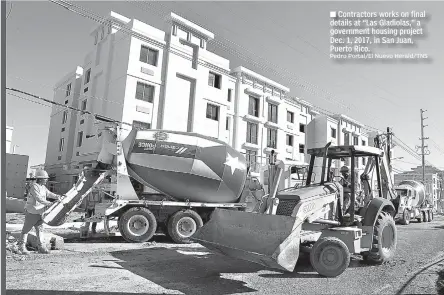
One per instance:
[(212, 112), (68, 89), (82, 121), (289, 140), (301, 148), (145, 92), (253, 106), (84, 104), (346, 138), (141, 125), (273, 113), (63, 129), (363, 142), (85, 90), (301, 127), (87, 76), (251, 158), (227, 124), (64, 117), (333, 132), (355, 140), (148, 55), (66, 101), (290, 117), (59, 158), (214, 80), (229, 95), (252, 132), (79, 139), (61, 144), (271, 138)]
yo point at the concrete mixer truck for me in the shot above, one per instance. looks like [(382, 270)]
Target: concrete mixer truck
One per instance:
[(412, 202), (187, 175)]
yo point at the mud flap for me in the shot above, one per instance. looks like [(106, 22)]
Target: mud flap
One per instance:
[(270, 240), (58, 212)]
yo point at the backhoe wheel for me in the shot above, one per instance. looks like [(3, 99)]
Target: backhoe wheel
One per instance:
[(405, 217), (330, 256), (183, 224), (384, 240), (137, 225)]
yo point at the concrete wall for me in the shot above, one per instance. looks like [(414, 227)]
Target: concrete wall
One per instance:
[(16, 169)]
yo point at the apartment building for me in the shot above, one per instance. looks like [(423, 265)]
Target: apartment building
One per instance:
[(143, 76)]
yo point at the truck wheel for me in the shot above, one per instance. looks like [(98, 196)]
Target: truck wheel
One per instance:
[(183, 224), (330, 256), (137, 225), (384, 240), (405, 217), (420, 218)]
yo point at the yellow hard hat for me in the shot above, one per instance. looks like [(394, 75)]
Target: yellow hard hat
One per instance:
[(41, 174)]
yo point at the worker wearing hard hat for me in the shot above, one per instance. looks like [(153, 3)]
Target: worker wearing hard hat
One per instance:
[(346, 183), (36, 204)]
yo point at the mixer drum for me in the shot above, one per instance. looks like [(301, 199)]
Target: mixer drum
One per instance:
[(418, 191), (186, 166)]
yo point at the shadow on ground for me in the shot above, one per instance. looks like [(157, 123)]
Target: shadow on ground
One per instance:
[(101, 238), (59, 292)]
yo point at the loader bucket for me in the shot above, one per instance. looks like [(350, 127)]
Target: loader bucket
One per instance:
[(269, 240)]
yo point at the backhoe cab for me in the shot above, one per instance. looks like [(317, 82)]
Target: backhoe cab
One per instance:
[(309, 219)]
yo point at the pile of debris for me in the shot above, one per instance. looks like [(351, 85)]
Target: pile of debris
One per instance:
[(12, 250)]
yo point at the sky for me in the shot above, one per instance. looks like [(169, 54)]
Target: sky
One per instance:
[(285, 41)]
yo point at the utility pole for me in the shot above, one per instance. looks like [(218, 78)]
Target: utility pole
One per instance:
[(389, 142), (422, 144)]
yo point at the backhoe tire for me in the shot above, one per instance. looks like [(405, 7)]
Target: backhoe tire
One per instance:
[(182, 225), (330, 256), (405, 217), (384, 240), (137, 225)]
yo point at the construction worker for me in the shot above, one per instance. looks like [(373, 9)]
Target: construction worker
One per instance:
[(35, 206), (346, 183), (92, 199)]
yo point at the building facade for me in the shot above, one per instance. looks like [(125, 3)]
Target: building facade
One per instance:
[(9, 131), (155, 79)]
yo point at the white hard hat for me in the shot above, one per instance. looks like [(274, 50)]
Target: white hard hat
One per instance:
[(41, 174)]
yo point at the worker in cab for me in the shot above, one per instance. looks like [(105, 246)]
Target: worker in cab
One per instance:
[(36, 204), (346, 184)]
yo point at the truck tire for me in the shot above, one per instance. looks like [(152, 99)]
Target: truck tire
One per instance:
[(330, 256), (405, 217), (384, 240), (421, 217), (137, 225), (182, 225)]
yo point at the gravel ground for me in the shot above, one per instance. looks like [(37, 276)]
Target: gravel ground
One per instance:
[(111, 266)]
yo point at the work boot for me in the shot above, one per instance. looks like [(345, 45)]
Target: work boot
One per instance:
[(21, 244)]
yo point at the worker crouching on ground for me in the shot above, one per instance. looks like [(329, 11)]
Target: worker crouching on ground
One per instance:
[(35, 206)]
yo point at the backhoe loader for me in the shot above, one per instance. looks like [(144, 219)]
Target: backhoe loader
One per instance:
[(312, 219)]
